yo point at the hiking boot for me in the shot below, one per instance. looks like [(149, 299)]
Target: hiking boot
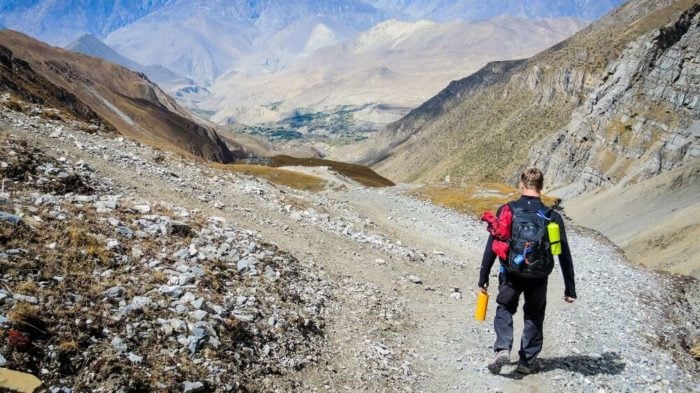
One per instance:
[(523, 368), (501, 359)]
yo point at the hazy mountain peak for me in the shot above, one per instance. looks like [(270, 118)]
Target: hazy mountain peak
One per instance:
[(320, 36), (389, 32), (90, 45), (205, 38), (60, 22)]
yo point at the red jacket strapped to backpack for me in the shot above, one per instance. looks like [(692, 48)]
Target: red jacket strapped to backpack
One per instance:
[(499, 228)]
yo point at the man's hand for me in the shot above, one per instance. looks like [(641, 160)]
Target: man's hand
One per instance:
[(569, 299), (485, 287)]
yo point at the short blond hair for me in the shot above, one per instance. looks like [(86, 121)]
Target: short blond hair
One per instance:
[(532, 178)]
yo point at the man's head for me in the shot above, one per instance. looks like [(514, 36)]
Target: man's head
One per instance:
[(531, 182)]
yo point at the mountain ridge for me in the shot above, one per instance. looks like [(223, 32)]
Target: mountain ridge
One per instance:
[(115, 96), (90, 45), (534, 99), (228, 30)]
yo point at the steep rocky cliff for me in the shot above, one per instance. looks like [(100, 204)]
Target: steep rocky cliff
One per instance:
[(631, 151), (641, 120)]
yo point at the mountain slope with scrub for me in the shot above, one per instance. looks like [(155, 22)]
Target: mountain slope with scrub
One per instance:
[(489, 121), (104, 94)]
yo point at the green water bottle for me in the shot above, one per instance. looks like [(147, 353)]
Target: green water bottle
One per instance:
[(554, 238)]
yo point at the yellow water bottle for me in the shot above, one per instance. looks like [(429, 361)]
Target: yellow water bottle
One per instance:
[(482, 301), (554, 238)]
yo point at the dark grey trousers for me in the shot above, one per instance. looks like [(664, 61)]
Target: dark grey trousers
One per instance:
[(535, 291)]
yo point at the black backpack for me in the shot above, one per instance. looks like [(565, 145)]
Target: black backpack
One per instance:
[(529, 254)]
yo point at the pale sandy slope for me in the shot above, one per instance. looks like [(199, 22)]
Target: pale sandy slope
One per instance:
[(656, 222)]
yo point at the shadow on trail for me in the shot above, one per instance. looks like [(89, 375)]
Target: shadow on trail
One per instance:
[(610, 363)]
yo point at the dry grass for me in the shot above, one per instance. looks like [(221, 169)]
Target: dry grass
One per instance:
[(299, 181), (68, 346), (473, 199), (695, 351), (16, 105), (606, 159), (84, 251), (359, 173), (23, 313), (619, 131)]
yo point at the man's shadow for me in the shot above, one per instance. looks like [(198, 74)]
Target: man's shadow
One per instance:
[(609, 363)]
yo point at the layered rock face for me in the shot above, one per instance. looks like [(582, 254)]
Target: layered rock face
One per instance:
[(641, 120)]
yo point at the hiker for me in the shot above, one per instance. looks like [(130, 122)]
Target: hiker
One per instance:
[(525, 271)]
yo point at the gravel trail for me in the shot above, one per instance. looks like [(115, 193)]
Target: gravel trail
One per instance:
[(403, 274)]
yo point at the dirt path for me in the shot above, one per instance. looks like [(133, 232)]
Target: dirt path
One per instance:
[(385, 331), (451, 349)]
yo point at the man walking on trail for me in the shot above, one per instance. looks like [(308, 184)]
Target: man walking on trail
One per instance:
[(525, 271)]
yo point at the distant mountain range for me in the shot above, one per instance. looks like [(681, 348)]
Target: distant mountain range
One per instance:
[(451, 10), (386, 70), (203, 39), (60, 22), (366, 62)]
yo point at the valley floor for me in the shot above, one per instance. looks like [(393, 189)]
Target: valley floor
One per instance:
[(403, 274)]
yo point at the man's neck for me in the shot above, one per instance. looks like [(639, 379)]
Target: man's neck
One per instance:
[(530, 193)]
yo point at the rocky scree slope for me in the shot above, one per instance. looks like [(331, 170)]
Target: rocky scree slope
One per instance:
[(106, 292), (104, 94), (484, 126)]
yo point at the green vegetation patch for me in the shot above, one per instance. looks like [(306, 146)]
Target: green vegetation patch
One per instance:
[(337, 125)]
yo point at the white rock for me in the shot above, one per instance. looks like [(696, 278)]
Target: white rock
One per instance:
[(143, 209), (415, 279), (26, 299), (119, 344), (134, 358), (192, 387), (199, 314)]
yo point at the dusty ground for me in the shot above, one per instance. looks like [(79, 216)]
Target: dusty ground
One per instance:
[(388, 333)]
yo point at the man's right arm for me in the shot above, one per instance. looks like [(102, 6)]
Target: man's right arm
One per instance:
[(487, 259), (486, 263)]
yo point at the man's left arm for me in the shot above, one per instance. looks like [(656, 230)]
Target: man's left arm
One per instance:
[(566, 262)]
